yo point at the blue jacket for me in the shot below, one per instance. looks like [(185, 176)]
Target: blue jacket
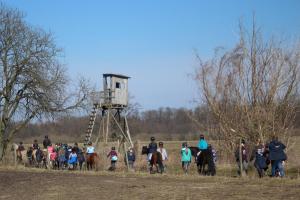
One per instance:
[(152, 147), (130, 156), (276, 151), (202, 144)]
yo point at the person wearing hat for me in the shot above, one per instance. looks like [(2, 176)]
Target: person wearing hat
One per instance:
[(46, 142), (244, 152), (163, 152), (152, 148), (202, 144)]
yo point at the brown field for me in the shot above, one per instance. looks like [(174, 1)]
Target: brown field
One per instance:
[(40, 184), (21, 182)]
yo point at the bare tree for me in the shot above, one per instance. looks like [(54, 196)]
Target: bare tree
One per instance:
[(251, 89), (33, 82)]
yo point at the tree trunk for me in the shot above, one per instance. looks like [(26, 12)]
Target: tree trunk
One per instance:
[(242, 173), (3, 147)]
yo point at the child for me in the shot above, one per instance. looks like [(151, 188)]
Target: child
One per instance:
[(113, 158), (131, 158), (61, 158), (72, 160), (186, 157)]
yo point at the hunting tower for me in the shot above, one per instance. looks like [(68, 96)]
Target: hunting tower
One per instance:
[(115, 91), (111, 101)]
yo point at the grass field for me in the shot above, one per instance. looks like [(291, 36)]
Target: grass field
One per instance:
[(19, 182), (43, 184)]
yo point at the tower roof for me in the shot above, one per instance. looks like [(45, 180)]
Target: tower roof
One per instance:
[(116, 75)]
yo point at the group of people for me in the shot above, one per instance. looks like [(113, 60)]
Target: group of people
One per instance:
[(202, 147), (57, 156), (263, 154), (62, 156)]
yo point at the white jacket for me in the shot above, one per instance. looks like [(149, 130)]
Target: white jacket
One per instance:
[(163, 153)]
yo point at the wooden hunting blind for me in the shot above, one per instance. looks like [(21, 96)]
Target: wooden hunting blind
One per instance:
[(111, 101), (115, 90)]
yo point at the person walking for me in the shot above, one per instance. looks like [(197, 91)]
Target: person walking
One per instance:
[(164, 154), (260, 162), (130, 158), (113, 158), (277, 156), (186, 157)]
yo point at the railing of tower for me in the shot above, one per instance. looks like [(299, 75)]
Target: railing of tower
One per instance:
[(103, 97)]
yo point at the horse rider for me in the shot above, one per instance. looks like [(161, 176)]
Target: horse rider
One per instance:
[(163, 152), (46, 142), (35, 145), (202, 144), (21, 147), (277, 156), (90, 149), (152, 147)]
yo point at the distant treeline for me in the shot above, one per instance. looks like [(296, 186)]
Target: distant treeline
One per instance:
[(168, 123)]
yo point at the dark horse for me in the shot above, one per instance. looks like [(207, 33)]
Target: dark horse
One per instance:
[(203, 158), (91, 160), (156, 160)]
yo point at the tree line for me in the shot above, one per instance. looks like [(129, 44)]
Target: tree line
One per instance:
[(168, 123)]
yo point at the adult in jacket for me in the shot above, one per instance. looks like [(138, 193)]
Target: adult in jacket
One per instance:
[(277, 156)]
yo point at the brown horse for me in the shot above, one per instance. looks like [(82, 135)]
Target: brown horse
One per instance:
[(156, 160), (92, 161)]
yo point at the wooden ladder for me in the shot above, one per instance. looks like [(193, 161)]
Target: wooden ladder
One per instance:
[(92, 120)]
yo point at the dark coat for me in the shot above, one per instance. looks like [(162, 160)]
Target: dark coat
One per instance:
[(260, 157), (131, 156), (46, 143), (260, 161), (152, 147), (276, 151)]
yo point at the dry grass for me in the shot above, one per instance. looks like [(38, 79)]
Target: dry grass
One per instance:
[(43, 184)]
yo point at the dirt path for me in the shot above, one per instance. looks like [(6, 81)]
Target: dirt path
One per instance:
[(65, 185)]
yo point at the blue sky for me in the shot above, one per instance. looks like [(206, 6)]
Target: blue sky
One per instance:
[(152, 41)]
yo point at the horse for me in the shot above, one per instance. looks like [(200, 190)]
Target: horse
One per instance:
[(92, 160), (20, 156), (194, 151), (156, 160), (81, 160), (203, 158)]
